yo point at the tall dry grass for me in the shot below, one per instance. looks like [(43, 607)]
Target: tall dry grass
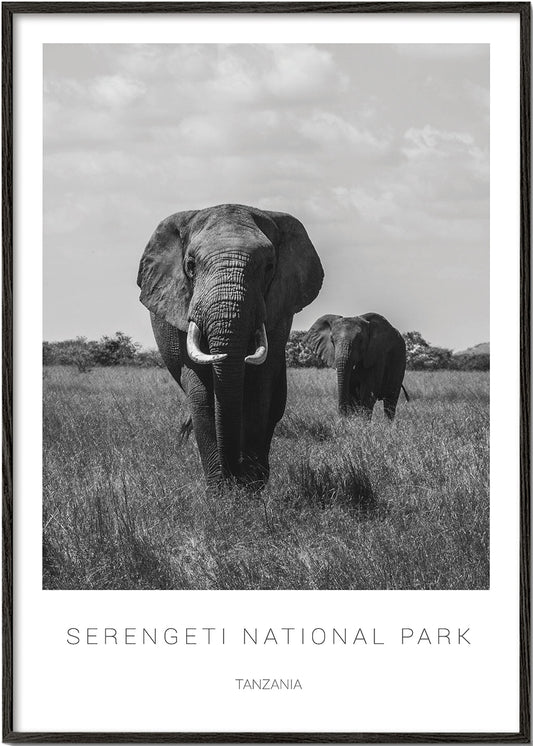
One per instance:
[(349, 505)]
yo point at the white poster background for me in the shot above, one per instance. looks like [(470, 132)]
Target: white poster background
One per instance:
[(377, 688)]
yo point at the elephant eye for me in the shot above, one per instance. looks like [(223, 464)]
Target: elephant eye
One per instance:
[(269, 268), (189, 267)]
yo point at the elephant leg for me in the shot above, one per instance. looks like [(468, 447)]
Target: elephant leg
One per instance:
[(255, 466), (392, 384), (391, 395), (368, 400), (198, 385), (279, 398), (363, 398), (278, 402), (368, 407), (265, 397), (355, 393), (389, 406)]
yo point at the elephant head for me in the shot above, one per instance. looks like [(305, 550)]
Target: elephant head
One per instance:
[(228, 277), (368, 354)]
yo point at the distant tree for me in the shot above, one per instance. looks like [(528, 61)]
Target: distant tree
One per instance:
[(298, 354), (49, 353), (422, 356), (479, 361), (149, 359), (120, 349), (117, 350), (85, 354), (82, 354), (78, 352)]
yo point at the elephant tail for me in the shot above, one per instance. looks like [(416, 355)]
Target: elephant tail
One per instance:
[(406, 394), (185, 429)]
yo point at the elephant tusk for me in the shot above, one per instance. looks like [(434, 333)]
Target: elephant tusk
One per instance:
[(193, 347), (260, 355)]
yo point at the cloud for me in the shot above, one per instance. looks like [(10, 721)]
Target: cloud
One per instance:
[(430, 141), (478, 94), (212, 96), (225, 74), (450, 163), (445, 52), (437, 195), (327, 129), (300, 71), (115, 90), (384, 160)]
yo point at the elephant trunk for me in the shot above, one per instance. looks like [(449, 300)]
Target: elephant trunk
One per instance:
[(344, 370), (229, 330), (228, 386)]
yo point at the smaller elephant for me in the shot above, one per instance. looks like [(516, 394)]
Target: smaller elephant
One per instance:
[(369, 355)]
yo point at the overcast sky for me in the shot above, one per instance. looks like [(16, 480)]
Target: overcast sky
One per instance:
[(382, 151)]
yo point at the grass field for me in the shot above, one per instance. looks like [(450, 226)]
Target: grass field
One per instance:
[(347, 506)]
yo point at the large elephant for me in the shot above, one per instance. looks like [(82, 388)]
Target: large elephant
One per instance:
[(369, 355), (222, 285)]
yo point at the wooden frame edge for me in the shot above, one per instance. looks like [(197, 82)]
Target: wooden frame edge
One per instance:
[(9, 9), (7, 369)]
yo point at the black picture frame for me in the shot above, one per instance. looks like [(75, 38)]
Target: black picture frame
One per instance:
[(9, 11)]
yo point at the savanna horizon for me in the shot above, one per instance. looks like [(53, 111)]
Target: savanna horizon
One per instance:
[(348, 506)]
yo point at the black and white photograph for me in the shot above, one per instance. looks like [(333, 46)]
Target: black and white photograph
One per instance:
[(266, 316), (266, 372)]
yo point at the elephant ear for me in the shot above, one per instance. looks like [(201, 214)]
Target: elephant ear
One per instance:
[(165, 288), (318, 338), (298, 275), (378, 339)]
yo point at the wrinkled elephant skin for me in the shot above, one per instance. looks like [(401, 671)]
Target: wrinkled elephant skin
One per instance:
[(222, 285)]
